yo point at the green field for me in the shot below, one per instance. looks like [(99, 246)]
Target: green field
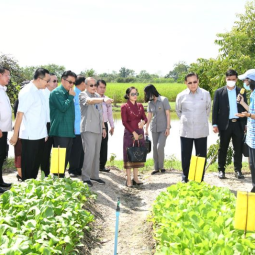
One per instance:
[(117, 90)]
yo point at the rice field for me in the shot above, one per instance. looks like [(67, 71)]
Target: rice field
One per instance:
[(117, 91)]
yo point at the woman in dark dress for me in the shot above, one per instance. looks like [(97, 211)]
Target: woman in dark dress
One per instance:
[(133, 118)]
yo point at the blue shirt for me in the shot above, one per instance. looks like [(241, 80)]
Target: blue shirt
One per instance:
[(250, 136), (232, 103), (77, 121)]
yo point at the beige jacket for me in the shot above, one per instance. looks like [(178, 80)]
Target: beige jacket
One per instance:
[(193, 111)]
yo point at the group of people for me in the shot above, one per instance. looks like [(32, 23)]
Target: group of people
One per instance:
[(48, 115), (75, 116)]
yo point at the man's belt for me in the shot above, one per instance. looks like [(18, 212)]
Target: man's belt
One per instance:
[(233, 120)]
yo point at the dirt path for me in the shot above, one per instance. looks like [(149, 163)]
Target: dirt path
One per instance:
[(134, 235)]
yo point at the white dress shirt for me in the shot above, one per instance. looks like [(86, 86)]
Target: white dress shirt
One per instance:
[(5, 111), (46, 94), (32, 105)]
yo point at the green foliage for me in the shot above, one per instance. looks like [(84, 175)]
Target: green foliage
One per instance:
[(237, 51), (17, 76), (44, 217), (112, 158), (212, 153), (52, 68), (196, 218), (117, 90), (179, 72)]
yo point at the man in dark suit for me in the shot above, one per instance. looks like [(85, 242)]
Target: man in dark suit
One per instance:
[(227, 124)]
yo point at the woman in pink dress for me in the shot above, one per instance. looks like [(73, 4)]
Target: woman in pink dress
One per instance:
[(133, 118)]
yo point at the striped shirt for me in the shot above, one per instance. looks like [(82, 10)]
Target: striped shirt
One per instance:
[(250, 137)]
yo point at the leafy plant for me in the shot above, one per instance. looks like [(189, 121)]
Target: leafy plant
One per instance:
[(112, 158), (196, 218), (44, 217), (212, 153)]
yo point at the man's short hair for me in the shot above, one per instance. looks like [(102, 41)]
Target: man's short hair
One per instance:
[(190, 75), (3, 69), (40, 73), (102, 81), (231, 72), (68, 73), (80, 79), (51, 74)]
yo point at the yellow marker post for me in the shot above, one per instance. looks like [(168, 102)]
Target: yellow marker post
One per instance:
[(58, 157), (196, 168), (245, 212)]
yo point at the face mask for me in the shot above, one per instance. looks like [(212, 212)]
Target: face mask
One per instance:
[(246, 86), (231, 84)]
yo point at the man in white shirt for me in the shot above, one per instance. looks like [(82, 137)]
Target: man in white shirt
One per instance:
[(5, 121), (31, 123), (45, 163)]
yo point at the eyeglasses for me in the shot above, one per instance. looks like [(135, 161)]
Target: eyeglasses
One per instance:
[(45, 80), (93, 85), (194, 82), (134, 94), (70, 82), (55, 80)]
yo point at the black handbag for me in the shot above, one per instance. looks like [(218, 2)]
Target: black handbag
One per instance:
[(136, 154), (148, 144), (245, 147)]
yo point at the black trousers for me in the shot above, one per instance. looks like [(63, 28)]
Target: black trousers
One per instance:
[(3, 148), (31, 155), (77, 156), (186, 152), (45, 164), (104, 149), (64, 142), (235, 132), (252, 165)]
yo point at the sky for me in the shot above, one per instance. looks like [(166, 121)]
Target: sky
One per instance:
[(109, 34)]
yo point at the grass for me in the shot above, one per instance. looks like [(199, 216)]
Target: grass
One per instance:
[(117, 90), (9, 165), (172, 163)]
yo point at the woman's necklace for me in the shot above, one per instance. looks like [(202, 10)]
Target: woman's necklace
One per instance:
[(139, 111)]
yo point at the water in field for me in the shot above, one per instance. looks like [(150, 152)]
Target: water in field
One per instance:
[(173, 146), (115, 143)]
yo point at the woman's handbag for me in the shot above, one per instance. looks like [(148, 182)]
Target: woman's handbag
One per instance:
[(148, 144), (136, 154), (245, 147)]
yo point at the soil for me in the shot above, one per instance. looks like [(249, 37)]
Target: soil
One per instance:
[(135, 232)]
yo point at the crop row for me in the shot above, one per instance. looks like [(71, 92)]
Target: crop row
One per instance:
[(198, 218), (44, 217)]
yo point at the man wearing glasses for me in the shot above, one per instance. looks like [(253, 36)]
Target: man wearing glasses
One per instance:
[(30, 124), (5, 121), (62, 114), (193, 106), (45, 164), (92, 130)]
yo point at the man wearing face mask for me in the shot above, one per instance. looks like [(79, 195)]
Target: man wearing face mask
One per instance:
[(226, 122)]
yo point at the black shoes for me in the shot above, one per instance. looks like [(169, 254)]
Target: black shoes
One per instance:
[(221, 175), (99, 181), (157, 171), (19, 178), (89, 183), (2, 190), (137, 183), (239, 175), (5, 185), (106, 170)]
